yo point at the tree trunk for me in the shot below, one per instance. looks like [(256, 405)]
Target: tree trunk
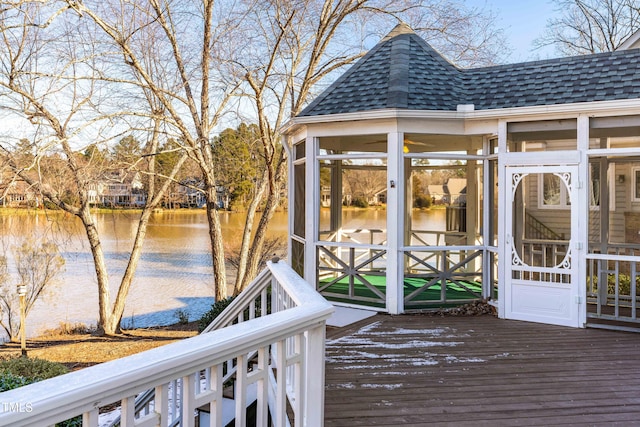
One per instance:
[(246, 237), (105, 322), (217, 245), (127, 279), (273, 196)]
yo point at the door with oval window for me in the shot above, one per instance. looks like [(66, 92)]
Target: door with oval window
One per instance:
[(541, 226)]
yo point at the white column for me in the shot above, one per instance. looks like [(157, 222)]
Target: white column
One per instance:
[(503, 256), (312, 208), (395, 222), (286, 143), (487, 215), (581, 247)]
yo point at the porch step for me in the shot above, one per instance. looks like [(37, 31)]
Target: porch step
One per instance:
[(344, 316)]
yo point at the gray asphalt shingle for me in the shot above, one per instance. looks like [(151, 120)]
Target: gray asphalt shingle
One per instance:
[(404, 72)]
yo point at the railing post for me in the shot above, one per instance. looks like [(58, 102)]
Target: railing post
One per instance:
[(161, 407), (240, 391), (128, 408), (314, 390), (187, 407), (280, 410), (90, 419)]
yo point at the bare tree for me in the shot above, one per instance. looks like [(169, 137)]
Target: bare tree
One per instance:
[(185, 61), (37, 263), (469, 36), (178, 71), (590, 26), (291, 49), (54, 82)]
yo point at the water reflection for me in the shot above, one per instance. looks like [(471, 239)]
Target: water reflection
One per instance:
[(174, 271)]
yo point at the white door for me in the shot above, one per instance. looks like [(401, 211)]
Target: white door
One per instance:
[(541, 228)]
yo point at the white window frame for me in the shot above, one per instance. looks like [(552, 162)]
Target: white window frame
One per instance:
[(563, 193), (635, 189)]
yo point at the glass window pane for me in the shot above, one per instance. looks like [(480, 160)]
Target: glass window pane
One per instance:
[(551, 190)]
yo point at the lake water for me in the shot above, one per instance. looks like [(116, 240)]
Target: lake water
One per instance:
[(173, 274)]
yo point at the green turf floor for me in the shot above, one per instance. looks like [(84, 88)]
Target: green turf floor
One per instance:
[(429, 297)]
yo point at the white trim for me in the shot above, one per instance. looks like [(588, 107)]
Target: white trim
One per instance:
[(630, 42), (447, 156), (620, 107), (352, 156)]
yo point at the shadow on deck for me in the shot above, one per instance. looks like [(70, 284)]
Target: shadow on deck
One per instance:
[(415, 370)]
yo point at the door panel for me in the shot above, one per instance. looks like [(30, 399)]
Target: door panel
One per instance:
[(540, 229)]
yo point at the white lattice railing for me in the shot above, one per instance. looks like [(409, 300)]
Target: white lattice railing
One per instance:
[(270, 346)]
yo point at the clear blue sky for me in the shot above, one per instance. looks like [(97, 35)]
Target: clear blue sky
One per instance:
[(523, 21)]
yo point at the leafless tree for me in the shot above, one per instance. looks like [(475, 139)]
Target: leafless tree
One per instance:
[(590, 26), (186, 61), (285, 51), (56, 88), (469, 36), (178, 72), (37, 263)]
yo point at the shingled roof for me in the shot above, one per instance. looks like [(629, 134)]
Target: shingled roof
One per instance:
[(403, 72)]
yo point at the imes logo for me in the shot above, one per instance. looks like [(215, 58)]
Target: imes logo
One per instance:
[(16, 407)]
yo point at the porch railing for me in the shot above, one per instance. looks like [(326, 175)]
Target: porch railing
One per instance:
[(350, 273), (439, 276), (272, 344), (613, 289)]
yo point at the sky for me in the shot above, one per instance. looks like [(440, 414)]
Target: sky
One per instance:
[(523, 21)]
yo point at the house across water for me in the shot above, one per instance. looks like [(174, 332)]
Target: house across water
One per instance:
[(537, 165)]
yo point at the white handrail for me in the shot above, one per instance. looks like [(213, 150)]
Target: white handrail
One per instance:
[(84, 392)]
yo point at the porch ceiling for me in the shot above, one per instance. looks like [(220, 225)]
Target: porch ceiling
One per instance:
[(415, 143)]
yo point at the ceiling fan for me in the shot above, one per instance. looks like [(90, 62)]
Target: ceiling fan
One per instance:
[(407, 144)]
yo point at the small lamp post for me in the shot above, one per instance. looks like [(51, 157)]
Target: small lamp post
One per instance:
[(22, 293)]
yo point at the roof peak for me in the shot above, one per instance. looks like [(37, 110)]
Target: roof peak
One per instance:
[(401, 28)]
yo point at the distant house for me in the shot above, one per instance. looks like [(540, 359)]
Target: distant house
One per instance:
[(437, 193), (456, 189), (17, 194), (452, 192), (190, 194), (118, 189)]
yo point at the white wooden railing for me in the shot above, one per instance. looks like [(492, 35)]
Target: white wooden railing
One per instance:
[(272, 343), (613, 286)]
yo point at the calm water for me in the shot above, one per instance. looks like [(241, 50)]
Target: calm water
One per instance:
[(173, 274)]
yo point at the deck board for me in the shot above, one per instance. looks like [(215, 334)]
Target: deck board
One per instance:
[(415, 370)]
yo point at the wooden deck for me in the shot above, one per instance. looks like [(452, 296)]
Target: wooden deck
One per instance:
[(473, 371)]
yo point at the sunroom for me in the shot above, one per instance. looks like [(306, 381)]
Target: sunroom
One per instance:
[(416, 185)]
